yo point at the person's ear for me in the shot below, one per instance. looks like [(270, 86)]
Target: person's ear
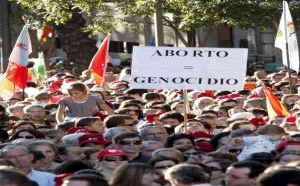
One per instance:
[(31, 157)]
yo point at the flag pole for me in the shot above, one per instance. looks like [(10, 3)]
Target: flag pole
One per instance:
[(287, 46)]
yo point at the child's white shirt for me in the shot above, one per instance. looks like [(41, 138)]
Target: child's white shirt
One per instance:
[(255, 144)]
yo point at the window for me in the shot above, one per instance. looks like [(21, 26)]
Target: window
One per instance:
[(116, 46)]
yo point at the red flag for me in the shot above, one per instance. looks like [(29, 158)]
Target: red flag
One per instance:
[(15, 77), (98, 63), (17, 73), (274, 106)]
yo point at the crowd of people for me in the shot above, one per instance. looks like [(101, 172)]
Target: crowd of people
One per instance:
[(72, 132)]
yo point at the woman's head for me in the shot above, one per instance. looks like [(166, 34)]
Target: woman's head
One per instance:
[(47, 148), (27, 134), (22, 125)]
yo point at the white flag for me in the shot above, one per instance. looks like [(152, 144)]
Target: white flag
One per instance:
[(15, 77), (286, 33)]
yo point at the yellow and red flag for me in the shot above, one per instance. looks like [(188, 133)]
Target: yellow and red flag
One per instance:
[(15, 77), (274, 106), (98, 63), (44, 33)]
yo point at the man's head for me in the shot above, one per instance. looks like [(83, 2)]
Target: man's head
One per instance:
[(84, 180), (36, 113), (169, 153), (154, 133), (186, 174), (209, 119), (19, 156), (243, 173), (111, 158), (111, 132), (129, 142), (284, 176), (11, 177), (149, 146)]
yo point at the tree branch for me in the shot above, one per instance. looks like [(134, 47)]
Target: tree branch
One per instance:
[(176, 31)]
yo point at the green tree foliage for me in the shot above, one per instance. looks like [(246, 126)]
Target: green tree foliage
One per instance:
[(188, 15), (181, 15), (59, 12), (202, 13)]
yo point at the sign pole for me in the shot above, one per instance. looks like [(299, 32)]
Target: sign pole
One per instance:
[(287, 47), (186, 108)]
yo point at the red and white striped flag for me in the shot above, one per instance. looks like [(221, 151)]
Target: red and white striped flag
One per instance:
[(15, 77)]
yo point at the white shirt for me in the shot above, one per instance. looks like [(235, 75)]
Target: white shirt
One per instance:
[(255, 144), (42, 178)]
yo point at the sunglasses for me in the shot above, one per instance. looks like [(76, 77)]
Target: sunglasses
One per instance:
[(111, 159), (234, 150), (130, 142)]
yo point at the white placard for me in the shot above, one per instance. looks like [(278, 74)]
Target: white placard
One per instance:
[(188, 68)]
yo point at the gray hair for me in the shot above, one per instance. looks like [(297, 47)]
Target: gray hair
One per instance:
[(4, 150), (27, 109), (143, 131), (111, 132)]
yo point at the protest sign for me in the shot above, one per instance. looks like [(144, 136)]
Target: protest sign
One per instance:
[(188, 68)]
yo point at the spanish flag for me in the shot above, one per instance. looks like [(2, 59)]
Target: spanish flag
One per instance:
[(44, 33), (15, 77), (274, 106), (98, 63)]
